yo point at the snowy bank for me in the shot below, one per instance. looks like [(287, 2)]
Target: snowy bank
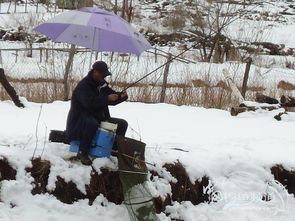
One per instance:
[(235, 153)]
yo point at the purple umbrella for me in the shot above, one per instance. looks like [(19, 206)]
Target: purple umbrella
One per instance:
[(95, 29)]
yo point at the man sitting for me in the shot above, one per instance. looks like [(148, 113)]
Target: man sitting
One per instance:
[(89, 106)]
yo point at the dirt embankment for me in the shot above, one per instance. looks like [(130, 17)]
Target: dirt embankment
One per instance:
[(109, 184)]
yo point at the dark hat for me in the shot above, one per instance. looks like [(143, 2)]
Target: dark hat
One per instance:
[(101, 67)]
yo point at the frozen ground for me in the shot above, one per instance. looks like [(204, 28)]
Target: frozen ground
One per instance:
[(235, 152)]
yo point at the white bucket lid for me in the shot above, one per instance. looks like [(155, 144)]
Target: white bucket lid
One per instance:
[(108, 126)]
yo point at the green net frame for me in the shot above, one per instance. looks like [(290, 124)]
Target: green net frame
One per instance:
[(133, 174)]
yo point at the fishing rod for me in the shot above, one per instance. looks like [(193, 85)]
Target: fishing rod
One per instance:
[(173, 58)]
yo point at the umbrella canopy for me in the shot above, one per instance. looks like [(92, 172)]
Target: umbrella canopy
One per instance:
[(95, 29)]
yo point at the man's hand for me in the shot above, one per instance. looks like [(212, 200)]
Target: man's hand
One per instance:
[(113, 97), (124, 95)]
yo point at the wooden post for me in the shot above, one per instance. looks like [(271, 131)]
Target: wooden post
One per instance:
[(165, 78), (246, 77), (1, 61), (16, 54), (9, 89), (41, 55), (26, 6), (46, 55), (37, 6), (116, 7), (112, 56), (9, 6), (67, 72)]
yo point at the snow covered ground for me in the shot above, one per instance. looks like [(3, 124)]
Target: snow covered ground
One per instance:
[(235, 152)]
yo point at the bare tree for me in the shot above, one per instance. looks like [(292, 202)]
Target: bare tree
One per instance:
[(124, 8), (210, 19), (127, 9)]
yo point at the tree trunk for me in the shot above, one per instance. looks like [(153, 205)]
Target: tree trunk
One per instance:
[(237, 110), (246, 77), (212, 47), (67, 72), (30, 53), (217, 52), (287, 101), (123, 9), (1, 61), (165, 78), (261, 98), (130, 11), (9, 89)]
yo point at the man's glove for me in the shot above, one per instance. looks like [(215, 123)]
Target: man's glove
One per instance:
[(113, 97), (124, 95)]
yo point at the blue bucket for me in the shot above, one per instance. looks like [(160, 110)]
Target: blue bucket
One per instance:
[(103, 144)]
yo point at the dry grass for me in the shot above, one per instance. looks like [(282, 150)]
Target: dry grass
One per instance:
[(176, 19), (290, 65), (286, 86), (197, 92)]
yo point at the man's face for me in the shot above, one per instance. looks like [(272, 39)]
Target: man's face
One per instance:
[(97, 76)]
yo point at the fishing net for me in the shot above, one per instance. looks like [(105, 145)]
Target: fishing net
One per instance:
[(133, 173)]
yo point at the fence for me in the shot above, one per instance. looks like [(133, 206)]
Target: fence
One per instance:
[(40, 78), (25, 6), (44, 70), (17, 61), (14, 6)]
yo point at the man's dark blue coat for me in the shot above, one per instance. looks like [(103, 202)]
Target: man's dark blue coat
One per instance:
[(89, 99)]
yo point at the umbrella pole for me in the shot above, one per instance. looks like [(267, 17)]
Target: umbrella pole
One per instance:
[(93, 39)]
